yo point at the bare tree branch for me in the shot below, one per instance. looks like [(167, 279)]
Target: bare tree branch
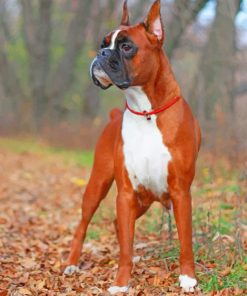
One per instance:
[(186, 12)]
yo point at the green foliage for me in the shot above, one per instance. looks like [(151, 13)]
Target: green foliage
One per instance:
[(17, 54), (57, 52), (235, 277), (93, 234), (75, 157)]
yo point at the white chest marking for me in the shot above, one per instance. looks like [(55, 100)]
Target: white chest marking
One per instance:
[(146, 156)]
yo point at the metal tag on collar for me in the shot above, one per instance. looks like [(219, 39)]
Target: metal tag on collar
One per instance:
[(147, 115)]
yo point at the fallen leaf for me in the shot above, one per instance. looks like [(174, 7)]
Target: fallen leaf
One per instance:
[(3, 220), (78, 182), (225, 271), (24, 291), (28, 263)]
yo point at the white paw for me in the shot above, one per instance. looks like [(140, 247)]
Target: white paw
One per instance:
[(115, 289), (136, 259), (187, 283), (71, 269)]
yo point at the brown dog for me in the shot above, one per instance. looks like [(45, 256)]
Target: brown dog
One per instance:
[(150, 149)]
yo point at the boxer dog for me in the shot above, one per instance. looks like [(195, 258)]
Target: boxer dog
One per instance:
[(150, 149)]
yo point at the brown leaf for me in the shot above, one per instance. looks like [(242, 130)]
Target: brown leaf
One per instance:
[(225, 271), (28, 263), (24, 291), (3, 220)]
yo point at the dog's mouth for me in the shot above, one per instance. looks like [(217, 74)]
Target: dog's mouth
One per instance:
[(99, 76), (104, 78)]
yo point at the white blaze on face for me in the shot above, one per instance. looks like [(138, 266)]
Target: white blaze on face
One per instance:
[(99, 73), (113, 40)]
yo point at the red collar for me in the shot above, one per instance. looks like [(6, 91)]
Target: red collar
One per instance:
[(155, 111)]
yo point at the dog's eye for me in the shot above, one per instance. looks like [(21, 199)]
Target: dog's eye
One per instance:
[(125, 47)]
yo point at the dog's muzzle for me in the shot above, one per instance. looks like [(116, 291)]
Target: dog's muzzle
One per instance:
[(107, 69), (100, 78)]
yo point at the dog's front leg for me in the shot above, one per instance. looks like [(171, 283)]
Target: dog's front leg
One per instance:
[(183, 215), (127, 207), (99, 183), (95, 192)]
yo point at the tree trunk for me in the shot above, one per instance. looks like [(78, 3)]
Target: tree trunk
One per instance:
[(63, 76), (12, 90), (48, 89), (37, 37), (212, 91), (214, 83)]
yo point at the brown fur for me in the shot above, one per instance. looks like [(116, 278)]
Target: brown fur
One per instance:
[(181, 134)]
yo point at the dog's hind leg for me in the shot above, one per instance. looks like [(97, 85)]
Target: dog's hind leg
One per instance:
[(99, 183), (183, 216), (140, 210)]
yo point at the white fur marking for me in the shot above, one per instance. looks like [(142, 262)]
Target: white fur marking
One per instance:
[(171, 210), (91, 67), (113, 39), (103, 78), (71, 269), (187, 283), (146, 156), (115, 289)]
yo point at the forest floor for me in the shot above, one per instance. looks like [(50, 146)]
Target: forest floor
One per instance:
[(40, 197)]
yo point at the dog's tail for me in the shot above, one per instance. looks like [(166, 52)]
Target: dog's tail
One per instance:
[(115, 113)]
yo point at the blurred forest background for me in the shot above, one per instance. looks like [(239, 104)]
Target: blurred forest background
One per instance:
[(46, 47), (51, 114)]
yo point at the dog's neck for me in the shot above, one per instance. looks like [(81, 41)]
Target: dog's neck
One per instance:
[(161, 88)]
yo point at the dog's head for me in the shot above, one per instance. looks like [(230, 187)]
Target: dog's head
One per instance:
[(129, 54)]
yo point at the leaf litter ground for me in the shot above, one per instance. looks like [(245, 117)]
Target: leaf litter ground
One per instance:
[(40, 197)]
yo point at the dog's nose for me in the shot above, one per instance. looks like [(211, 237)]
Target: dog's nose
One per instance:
[(124, 84), (104, 52)]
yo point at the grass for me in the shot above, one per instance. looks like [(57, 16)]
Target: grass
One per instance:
[(214, 281), (218, 217), (74, 157)]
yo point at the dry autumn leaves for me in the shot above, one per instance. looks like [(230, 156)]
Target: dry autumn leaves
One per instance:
[(40, 206)]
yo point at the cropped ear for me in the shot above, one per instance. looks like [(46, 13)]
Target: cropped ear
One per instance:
[(125, 17), (153, 22)]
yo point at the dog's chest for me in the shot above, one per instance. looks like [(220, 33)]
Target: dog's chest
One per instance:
[(146, 156)]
